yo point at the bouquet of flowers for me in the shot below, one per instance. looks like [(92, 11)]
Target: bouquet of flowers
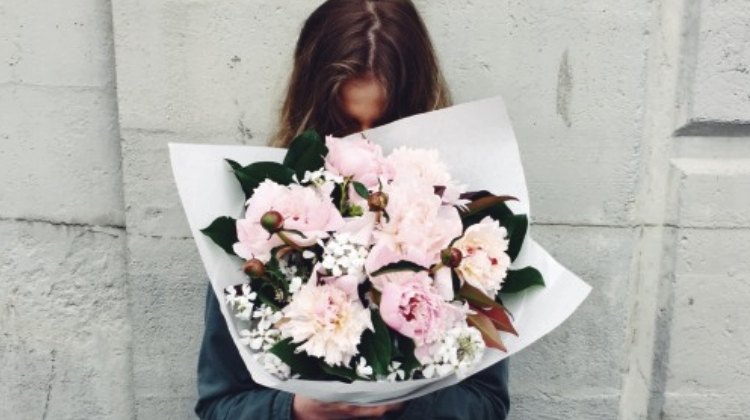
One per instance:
[(370, 267), (363, 270)]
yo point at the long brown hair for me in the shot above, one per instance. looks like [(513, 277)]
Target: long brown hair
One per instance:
[(351, 38)]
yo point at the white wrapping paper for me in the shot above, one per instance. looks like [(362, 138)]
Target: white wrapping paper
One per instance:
[(477, 142)]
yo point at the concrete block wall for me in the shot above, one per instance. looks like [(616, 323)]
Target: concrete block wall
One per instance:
[(632, 119), (64, 324)]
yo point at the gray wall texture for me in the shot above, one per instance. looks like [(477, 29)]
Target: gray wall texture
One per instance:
[(633, 119)]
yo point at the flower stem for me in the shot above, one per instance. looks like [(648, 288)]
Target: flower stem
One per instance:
[(287, 240)]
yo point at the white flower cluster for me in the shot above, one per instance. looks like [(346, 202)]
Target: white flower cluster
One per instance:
[(263, 335), (341, 256), (457, 351), (291, 273), (241, 302), (395, 373), (274, 365), (320, 177)]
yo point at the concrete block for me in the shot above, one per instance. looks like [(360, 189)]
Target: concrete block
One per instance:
[(153, 203), (168, 286), (64, 352), (60, 155), (211, 65), (717, 79), (709, 350), (705, 405), (577, 369), (546, 407), (572, 74), (56, 43), (712, 192)]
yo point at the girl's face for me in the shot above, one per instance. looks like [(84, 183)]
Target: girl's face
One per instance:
[(363, 99)]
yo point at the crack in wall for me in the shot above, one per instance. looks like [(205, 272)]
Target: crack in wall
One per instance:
[(100, 228), (88, 226), (641, 225), (80, 88), (50, 381)]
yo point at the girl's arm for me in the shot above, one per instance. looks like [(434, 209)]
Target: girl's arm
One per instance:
[(225, 388)]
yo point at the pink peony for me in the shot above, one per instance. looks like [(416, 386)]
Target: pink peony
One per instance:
[(413, 308), (485, 263), (419, 226), (303, 209), (426, 166), (382, 255), (347, 283), (357, 158)]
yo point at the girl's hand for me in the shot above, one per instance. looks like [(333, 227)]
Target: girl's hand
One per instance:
[(304, 408)]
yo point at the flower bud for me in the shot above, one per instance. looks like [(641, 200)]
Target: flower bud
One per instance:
[(377, 201), (254, 268), (272, 221), (451, 257)]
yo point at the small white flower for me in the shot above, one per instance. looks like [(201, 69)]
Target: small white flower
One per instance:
[(295, 284), (458, 350), (395, 373), (321, 177), (241, 300), (341, 256), (274, 365), (363, 369)]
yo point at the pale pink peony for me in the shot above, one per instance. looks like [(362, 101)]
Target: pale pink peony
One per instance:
[(413, 308), (485, 263), (303, 208), (360, 159), (327, 322), (419, 226), (382, 254), (348, 283), (426, 166), (359, 228)]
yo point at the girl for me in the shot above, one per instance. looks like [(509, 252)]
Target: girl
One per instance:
[(357, 64)]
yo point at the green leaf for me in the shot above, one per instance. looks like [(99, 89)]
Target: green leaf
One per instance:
[(361, 190), (300, 363), (376, 346), (223, 231), (405, 348), (347, 374), (306, 153), (252, 175), (402, 265), (517, 280), (233, 164), (268, 301), (517, 226)]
